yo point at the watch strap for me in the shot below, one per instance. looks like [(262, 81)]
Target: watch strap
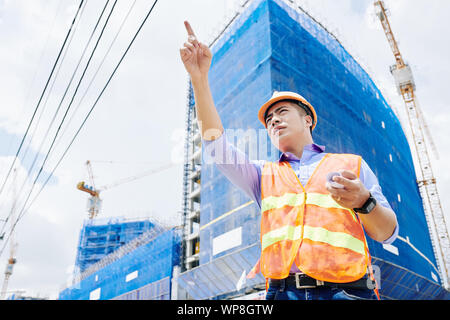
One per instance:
[(368, 206)]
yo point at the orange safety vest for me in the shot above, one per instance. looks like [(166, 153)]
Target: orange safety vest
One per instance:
[(305, 226)]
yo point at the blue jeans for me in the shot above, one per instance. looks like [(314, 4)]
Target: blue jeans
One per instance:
[(290, 292)]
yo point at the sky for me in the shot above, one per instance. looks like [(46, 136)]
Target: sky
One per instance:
[(138, 124)]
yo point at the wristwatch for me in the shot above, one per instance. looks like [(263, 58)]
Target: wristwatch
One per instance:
[(368, 206)]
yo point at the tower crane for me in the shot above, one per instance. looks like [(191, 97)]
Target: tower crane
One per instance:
[(13, 247), (94, 202), (426, 181)]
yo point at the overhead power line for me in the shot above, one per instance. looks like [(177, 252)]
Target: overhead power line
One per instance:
[(6, 219), (56, 74), (49, 91), (67, 110), (23, 211), (96, 72), (42, 95), (62, 99)]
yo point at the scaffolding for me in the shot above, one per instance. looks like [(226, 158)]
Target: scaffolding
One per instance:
[(100, 237), (141, 269), (191, 187)]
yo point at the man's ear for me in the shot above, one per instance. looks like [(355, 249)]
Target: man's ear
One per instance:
[(309, 120)]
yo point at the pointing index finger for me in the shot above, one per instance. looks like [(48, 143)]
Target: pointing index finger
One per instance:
[(189, 29)]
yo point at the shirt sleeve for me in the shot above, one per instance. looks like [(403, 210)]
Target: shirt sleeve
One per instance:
[(235, 166), (370, 181)]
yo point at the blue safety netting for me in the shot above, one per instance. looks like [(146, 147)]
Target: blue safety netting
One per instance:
[(100, 237), (141, 269), (272, 46)]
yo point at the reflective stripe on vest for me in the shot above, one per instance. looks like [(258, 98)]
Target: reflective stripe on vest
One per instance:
[(336, 239), (293, 199), (288, 199)]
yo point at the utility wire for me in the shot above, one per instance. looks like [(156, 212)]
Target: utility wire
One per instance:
[(65, 49), (62, 99), (96, 72), (36, 70), (68, 86), (53, 82), (42, 95), (67, 110), (23, 212), (52, 85)]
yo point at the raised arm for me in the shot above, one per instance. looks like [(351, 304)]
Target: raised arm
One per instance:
[(196, 58)]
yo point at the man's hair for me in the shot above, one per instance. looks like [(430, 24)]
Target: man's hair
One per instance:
[(302, 107)]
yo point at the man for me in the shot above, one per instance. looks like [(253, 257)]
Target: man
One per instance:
[(312, 238)]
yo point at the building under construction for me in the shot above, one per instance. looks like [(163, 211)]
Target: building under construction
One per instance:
[(275, 45), (268, 45), (123, 259)]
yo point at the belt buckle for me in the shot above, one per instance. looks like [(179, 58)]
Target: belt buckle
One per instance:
[(298, 286)]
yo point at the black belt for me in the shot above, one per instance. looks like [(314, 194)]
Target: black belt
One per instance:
[(303, 281)]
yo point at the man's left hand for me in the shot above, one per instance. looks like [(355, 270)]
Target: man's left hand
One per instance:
[(353, 195)]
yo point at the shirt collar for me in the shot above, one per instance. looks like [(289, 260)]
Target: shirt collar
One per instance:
[(308, 151)]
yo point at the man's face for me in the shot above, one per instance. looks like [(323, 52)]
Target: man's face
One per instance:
[(287, 125)]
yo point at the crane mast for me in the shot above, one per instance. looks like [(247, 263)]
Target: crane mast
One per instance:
[(13, 246), (426, 180)]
